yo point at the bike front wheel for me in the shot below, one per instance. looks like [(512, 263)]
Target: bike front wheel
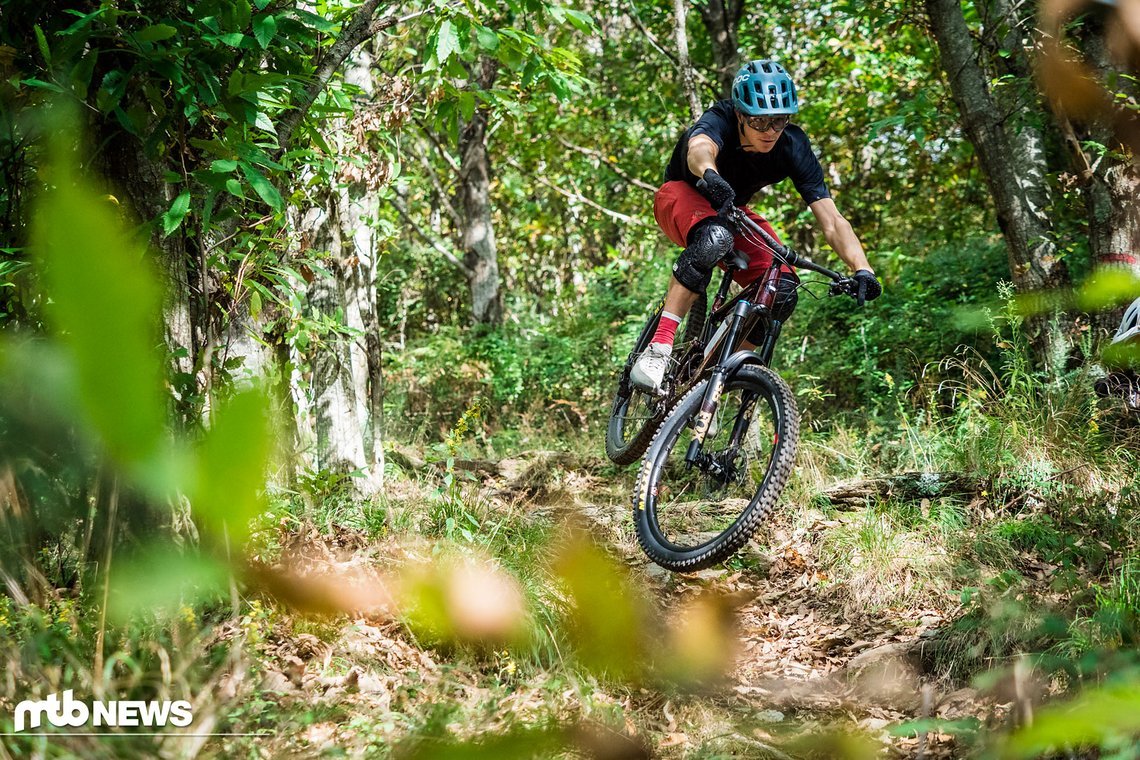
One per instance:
[(690, 516)]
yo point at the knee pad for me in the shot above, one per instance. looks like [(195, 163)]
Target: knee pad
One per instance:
[(787, 296), (709, 242)]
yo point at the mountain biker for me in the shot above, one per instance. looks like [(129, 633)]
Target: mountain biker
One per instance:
[(739, 146)]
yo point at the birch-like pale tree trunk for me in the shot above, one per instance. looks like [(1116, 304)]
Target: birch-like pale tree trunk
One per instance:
[(480, 255), (688, 78), (340, 409), (1012, 163)]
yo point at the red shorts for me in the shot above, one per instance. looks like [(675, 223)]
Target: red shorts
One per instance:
[(678, 206)]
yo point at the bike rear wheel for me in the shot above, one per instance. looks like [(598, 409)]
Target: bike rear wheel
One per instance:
[(634, 414), (689, 517)]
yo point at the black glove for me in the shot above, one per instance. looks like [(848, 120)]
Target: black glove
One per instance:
[(717, 190), (867, 286)]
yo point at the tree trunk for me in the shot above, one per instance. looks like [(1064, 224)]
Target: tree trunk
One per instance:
[(1020, 105), (722, 20), (1112, 185), (1014, 170), (479, 252), (142, 181), (688, 80), (342, 406)]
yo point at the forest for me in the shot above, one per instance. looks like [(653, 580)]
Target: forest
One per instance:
[(317, 416)]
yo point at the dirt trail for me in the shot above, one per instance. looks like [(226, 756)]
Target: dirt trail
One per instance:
[(809, 657)]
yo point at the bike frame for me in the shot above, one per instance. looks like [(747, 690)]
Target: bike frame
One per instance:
[(740, 314)]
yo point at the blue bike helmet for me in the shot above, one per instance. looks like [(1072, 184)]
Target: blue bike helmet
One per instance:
[(763, 88)]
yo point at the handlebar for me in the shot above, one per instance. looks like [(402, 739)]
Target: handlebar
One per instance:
[(790, 257), (841, 284)]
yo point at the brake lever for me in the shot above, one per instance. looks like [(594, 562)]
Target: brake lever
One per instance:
[(840, 287), (848, 286)]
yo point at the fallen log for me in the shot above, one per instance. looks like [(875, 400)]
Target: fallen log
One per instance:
[(907, 486)]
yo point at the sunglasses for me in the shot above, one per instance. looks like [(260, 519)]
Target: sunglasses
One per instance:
[(764, 123)]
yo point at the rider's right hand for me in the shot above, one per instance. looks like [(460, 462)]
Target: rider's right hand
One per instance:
[(717, 190), (863, 286), (868, 286)]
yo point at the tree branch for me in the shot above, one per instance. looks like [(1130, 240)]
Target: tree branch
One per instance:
[(433, 242), (652, 39), (609, 164), (582, 199), (683, 64), (359, 28), (438, 145), (440, 193)]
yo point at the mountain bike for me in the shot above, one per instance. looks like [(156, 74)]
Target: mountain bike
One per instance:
[(720, 437)]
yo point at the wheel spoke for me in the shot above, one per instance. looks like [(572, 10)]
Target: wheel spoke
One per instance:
[(695, 503)]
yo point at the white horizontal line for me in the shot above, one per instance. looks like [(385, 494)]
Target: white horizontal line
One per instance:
[(116, 735)]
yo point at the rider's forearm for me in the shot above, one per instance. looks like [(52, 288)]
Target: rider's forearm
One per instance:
[(702, 155), (843, 241)]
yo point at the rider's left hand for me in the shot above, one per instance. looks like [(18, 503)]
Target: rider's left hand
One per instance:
[(869, 287)]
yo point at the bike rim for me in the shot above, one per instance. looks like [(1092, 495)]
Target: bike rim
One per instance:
[(690, 507)]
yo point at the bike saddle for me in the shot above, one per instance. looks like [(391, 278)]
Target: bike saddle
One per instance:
[(736, 260)]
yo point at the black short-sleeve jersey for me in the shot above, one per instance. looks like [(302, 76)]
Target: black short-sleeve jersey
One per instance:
[(748, 172)]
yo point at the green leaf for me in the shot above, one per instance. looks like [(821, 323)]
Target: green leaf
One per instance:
[(233, 39), (234, 188), (223, 166), (261, 121), (172, 219), (156, 33), (232, 463), (579, 20), (264, 28), (319, 23), (41, 40), (82, 72), (262, 186), (84, 21), (41, 84), (487, 39), (467, 105), (242, 13), (105, 305), (111, 90), (447, 43)]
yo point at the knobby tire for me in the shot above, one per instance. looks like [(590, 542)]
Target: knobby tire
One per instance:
[(769, 388)]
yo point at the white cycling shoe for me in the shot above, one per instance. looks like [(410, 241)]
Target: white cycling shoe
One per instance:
[(649, 370)]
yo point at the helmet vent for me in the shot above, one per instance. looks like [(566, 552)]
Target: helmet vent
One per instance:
[(763, 88)]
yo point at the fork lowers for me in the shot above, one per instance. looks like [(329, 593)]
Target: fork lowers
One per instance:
[(705, 415)]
